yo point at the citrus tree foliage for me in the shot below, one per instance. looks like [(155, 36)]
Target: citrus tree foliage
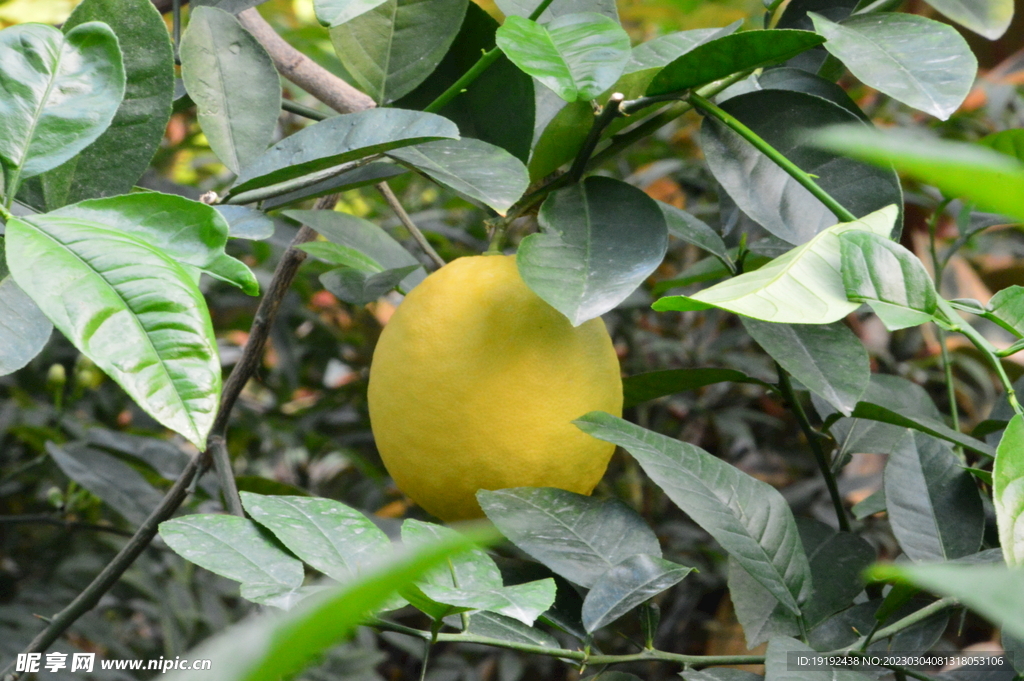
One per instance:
[(520, 120)]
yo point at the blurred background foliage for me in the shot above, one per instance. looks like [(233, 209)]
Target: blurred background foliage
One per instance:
[(302, 427)]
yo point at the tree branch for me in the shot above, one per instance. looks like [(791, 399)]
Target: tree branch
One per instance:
[(396, 206)]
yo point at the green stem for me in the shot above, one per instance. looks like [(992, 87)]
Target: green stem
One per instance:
[(910, 620), (771, 152), (289, 186), (4, 213), (303, 110), (947, 365), (789, 394), (608, 114), (478, 68)]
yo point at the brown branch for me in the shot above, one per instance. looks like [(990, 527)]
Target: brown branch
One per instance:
[(396, 206)]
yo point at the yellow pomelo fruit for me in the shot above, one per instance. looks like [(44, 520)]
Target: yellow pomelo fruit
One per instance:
[(475, 383)]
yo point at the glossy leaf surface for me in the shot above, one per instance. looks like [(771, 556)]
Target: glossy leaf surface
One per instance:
[(246, 223), (626, 586), (694, 231), (599, 240), (336, 12), (1008, 306), (1008, 492), (989, 18)]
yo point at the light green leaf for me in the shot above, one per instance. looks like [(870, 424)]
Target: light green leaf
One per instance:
[(1009, 142), (235, 548), (749, 518), (600, 239), (394, 47), (339, 139), (1008, 306), (232, 80), (116, 160), (336, 12), (337, 540), (578, 56), (889, 278), (920, 62), (627, 585), (131, 309), (989, 18), (472, 168), (57, 94), (1008, 491), (336, 254), (804, 286), (994, 181), (24, 329)]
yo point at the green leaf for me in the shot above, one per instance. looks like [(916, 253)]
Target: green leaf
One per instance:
[(769, 194), (232, 80), (797, 80), (654, 384), (989, 18), (918, 61), (827, 358), (119, 485), (246, 223), (804, 286), (340, 255), (993, 591), (759, 613), (131, 309), (777, 665), (1015, 647), (719, 674), (577, 537), (1008, 305), (58, 93), (340, 139), (361, 176), (475, 169), (363, 237), (1008, 142), (358, 287), (192, 233), (392, 48), (270, 648), (933, 504), (578, 56), (235, 548), (1008, 491), (336, 12), (749, 518), (24, 329), (889, 278), (694, 231), (900, 416), (337, 540), (627, 585), (524, 8), (493, 625), (600, 239), (498, 107), (116, 160), (731, 54)]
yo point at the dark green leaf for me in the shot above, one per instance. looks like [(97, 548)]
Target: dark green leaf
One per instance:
[(663, 50), (246, 223), (578, 56), (827, 358), (869, 506), (363, 237), (24, 329), (271, 648), (371, 173), (749, 518), (1014, 645), (759, 613), (58, 92), (577, 537), (235, 548), (392, 48), (766, 192), (731, 54), (777, 666), (232, 80), (993, 591), (493, 625), (128, 307), (918, 61), (337, 12), (907, 419), (798, 80), (472, 168), (933, 504), (524, 8), (804, 286), (358, 287), (340, 139), (119, 485), (337, 540), (720, 674), (889, 278), (114, 162), (497, 107), (192, 233), (599, 241), (654, 384), (992, 180), (841, 630), (1008, 491), (693, 231), (1009, 142), (627, 585), (1008, 305)]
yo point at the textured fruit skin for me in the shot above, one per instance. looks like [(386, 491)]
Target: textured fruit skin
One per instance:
[(474, 385)]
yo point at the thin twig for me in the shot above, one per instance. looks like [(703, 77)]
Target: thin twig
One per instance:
[(45, 519), (396, 206), (608, 114), (218, 448)]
